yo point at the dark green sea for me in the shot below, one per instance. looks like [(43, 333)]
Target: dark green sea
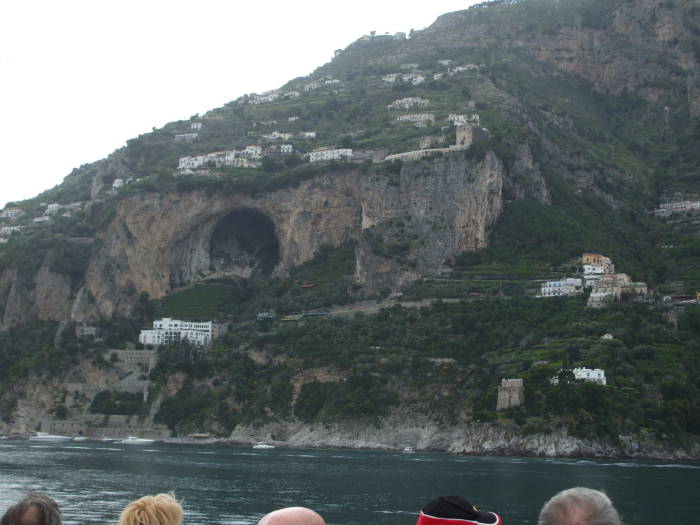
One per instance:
[(236, 486)]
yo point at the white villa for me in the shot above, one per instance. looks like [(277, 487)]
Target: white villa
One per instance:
[(168, 331), (409, 102), (11, 213), (324, 154), (419, 119), (218, 158), (594, 375), (462, 120), (9, 230), (596, 264), (52, 208), (558, 288), (252, 152), (263, 99)]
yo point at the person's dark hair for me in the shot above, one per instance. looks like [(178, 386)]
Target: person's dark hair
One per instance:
[(47, 511)]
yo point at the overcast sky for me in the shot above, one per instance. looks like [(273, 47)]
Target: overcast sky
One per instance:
[(80, 77)]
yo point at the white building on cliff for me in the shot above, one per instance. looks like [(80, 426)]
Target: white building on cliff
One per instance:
[(170, 331), (592, 375)]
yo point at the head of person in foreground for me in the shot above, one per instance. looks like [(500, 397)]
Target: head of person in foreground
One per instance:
[(33, 509), (292, 516), (579, 506), (161, 509), (455, 510)]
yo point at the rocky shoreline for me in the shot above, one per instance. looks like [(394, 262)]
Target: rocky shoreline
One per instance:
[(395, 433)]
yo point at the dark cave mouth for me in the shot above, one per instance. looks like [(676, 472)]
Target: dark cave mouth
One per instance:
[(244, 243)]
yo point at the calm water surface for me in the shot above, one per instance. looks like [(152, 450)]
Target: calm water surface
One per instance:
[(236, 486)]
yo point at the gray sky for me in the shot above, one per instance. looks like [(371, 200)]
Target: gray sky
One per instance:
[(80, 77)]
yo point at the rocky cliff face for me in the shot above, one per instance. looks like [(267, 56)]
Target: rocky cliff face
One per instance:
[(448, 202), (47, 296), (647, 26), (409, 429), (646, 47), (406, 225)]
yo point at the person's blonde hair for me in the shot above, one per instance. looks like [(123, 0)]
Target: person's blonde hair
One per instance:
[(161, 509)]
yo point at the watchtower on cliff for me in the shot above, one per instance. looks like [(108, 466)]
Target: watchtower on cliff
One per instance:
[(511, 393)]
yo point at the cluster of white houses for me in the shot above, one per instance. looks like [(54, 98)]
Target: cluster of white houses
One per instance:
[(415, 77), (169, 331), (599, 276), (409, 73), (467, 132), (14, 213), (217, 159), (271, 96), (246, 158)]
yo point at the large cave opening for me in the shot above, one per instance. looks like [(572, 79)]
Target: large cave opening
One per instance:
[(244, 243)]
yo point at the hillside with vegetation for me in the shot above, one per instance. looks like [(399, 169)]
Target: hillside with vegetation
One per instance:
[(588, 111)]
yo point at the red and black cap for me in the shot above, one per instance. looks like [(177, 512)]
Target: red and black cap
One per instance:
[(455, 510)]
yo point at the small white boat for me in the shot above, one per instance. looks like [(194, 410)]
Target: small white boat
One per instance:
[(408, 450), (107, 439), (133, 440), (262, 446), (45, 437), (79, 438)]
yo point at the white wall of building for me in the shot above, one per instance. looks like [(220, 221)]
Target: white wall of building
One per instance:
[(330, 154), (170, 331)]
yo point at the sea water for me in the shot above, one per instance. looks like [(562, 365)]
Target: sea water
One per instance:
[(237, 485)]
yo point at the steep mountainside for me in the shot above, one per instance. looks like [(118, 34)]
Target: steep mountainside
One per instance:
[(488, 152)]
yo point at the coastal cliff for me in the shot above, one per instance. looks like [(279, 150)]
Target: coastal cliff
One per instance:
[(406, 429), (158, 242), (346, 287)]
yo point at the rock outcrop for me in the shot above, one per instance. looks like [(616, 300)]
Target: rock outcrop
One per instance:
[(158, 242), (401, 429), (47, 296), (609, 44)]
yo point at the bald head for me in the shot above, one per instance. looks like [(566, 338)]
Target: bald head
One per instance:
[(292, 516)]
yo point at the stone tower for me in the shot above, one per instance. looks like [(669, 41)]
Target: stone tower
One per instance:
[(510, 393), (465, 135)]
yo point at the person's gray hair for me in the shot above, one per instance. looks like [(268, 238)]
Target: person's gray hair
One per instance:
[(579, 506), (48, 512)]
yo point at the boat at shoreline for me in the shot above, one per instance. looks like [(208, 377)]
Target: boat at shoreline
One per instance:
[(262, 446), (45, 437), (134, 440)]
